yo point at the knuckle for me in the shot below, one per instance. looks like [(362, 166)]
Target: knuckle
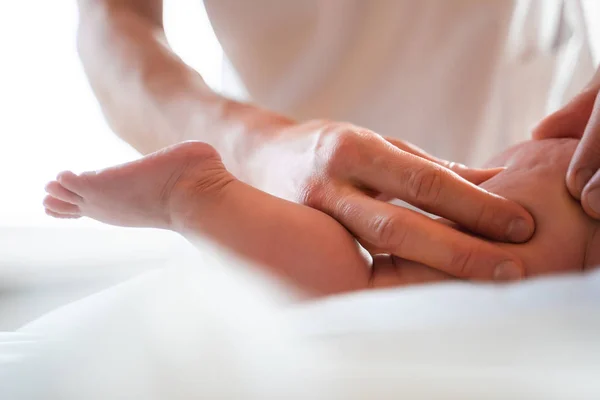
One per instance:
[(485, 217), (425, 185), (332, 200), (313, 194), (196, 150), (344, 144), (338, 145), (389, 233), (462, 261)]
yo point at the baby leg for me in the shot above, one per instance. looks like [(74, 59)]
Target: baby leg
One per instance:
[(186, 188)]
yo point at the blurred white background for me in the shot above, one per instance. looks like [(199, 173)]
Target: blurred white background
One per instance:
[(49, 119)]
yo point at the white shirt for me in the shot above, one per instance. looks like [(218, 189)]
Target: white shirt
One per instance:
[(461, 78)]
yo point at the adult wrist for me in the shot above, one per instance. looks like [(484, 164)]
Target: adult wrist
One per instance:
[(239, 131)]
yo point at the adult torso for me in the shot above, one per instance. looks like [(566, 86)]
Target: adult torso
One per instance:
[(460, 78)]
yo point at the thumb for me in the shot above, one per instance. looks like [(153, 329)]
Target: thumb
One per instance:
[(585, 164), (570, 121)]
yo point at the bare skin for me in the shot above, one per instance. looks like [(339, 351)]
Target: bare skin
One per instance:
[(187, 189), (152, 100), (566, 239), (580, 119)]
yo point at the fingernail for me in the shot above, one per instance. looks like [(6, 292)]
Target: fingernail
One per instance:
[(593, 198), (519, 230), (507, 271), (582, 178)]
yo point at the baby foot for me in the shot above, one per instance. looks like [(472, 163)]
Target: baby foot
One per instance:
[(149, 192)]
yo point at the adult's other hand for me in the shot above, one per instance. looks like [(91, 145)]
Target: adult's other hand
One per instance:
[(345, 171), (580, 119)]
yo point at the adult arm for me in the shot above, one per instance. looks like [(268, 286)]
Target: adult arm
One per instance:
[(149, 96), (152, 99)]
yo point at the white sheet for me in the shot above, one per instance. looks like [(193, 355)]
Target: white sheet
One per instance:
[(42, 268), (191, 332)]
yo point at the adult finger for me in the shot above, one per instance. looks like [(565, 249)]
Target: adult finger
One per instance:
[(442, 192), (568, 122), (391, 271), (413, 236), (473, 175), (586, 160)]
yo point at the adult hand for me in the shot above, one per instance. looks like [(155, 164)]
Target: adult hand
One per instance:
[(580, 119), (344, 171)]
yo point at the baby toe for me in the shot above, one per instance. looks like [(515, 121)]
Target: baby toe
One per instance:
[(61, 216), (59, 206), (71, 182), (60, 192)]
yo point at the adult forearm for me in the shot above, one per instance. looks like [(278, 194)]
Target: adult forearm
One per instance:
[(150, 97)]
